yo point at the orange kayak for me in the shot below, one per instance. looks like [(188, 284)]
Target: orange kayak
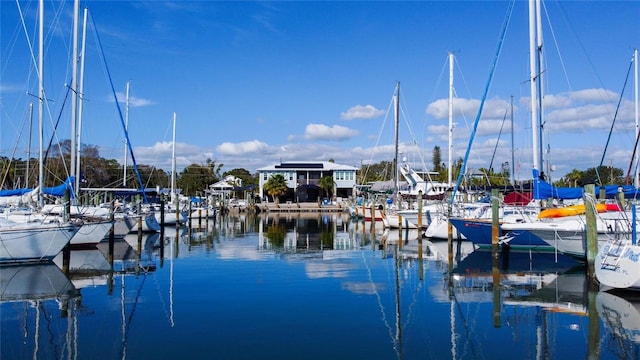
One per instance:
[(568, 211)]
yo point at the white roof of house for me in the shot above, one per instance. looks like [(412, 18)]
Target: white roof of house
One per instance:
[(229, 182), (306, 165)]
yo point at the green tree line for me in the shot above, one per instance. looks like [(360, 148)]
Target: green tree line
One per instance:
[(98, 172)]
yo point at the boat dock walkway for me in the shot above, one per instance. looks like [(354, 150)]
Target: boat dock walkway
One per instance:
[(301, 207)]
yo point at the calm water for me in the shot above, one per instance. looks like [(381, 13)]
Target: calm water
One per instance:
[(310, 287)]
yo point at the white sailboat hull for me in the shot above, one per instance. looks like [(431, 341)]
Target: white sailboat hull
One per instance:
[(439, 229), (33, 242), (149, 224), (92, 233), (619, 268)]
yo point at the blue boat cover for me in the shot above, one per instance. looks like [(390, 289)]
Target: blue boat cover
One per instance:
[(55, 190), (544, 190)]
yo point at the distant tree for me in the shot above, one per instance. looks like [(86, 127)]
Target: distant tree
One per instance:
[(276, 186), (572, 178), (376, 172), (248, 180), (602, 175), (60, 149), (506, 173), (197, 177), (215, 169), (152, 176), (244, 175), (100, 172), (456, 166), (437, 160), (89, 151)]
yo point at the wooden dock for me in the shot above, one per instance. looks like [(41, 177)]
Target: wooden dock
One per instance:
[(300, 207)]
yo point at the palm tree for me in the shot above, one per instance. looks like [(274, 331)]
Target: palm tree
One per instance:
[(326, 184), (574, 177), (276, 186)]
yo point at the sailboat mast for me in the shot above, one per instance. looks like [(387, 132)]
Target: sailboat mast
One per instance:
[(40, 102), (635, 60), (81, 98), (29, 145), (513, 157), (540, 86), (533, 79), (397, 123), (74, 97), (173, 161), (126, 146), (450, 163)]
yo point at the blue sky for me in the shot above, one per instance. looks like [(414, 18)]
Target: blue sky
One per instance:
[(256, 83)]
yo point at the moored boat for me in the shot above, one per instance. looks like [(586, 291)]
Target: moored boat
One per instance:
[(33, 242)]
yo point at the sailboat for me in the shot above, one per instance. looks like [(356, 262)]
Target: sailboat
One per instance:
[(36, 241), (517, 230), (618, 262), (438, 227), (172, 213), (614, 227), (418, 188), (93, 222)]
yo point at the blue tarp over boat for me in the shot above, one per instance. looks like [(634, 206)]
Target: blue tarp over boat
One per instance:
[(54, 191), (544, 190)]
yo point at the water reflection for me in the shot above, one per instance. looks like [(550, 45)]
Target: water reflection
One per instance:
[(356, 288), (620, 314)]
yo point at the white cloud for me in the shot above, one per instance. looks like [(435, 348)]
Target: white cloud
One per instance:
[(133, 101), (247, 147), (361, 112), (324, 132), (159, 155), (468, 108)]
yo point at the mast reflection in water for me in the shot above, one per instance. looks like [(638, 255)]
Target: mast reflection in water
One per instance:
[(312, 286)]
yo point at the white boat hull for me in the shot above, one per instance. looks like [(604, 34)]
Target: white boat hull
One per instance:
[(171, 218), (396, 221), (439, 229), (33, 242), (202, 213), (91, 233), (149, 224), (122, 226), (619, 267)]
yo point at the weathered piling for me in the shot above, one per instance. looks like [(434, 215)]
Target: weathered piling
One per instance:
[(593, 341), (67, 205), (591, 232), (495, 216), (373, 215), (420, 210), (177, 205), (420, 260), (497, 309), (161, 216), (495, 255)]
